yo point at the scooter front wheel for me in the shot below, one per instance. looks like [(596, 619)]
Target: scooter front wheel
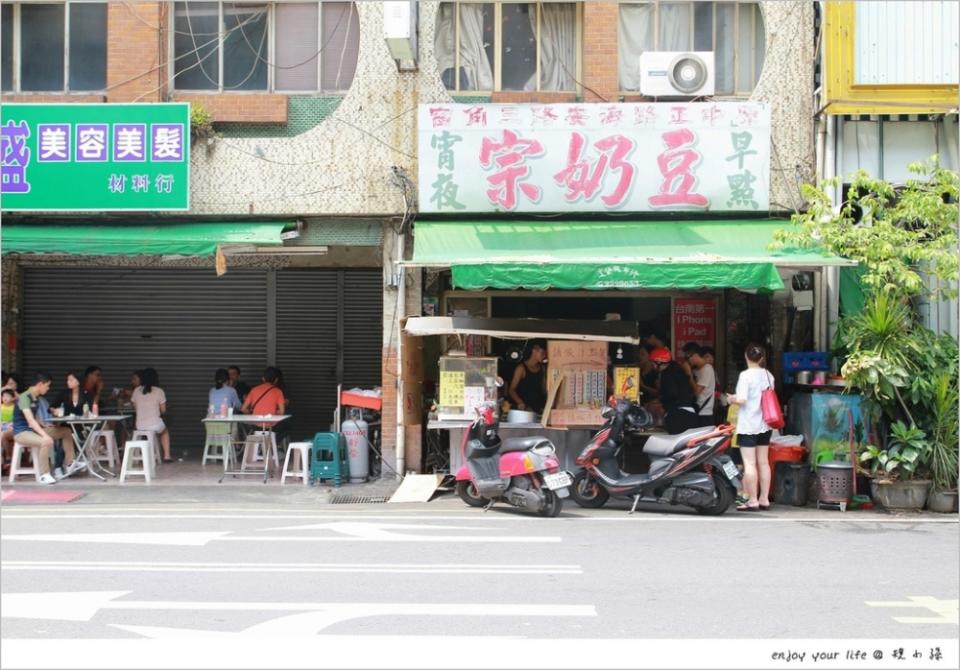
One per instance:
[(468, 494), (587, 491)]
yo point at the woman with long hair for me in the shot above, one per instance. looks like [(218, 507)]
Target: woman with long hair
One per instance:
[(753, 434), (151, 403)]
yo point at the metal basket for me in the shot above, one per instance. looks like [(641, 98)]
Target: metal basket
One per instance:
[(834, 482)]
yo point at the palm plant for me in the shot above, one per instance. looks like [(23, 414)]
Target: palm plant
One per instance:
[(944, 431)]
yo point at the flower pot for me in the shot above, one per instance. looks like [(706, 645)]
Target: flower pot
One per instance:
[(944, 502), (905, 495)]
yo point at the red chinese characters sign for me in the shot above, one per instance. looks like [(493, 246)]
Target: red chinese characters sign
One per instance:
[(694, 320), (594, 157)]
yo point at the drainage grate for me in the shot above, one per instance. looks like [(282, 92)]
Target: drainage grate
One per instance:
[(357, 500)]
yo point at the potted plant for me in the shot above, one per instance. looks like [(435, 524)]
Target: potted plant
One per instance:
[(892, 470), (944, 452)]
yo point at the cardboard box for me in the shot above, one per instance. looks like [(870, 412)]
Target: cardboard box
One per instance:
[(576, 417), (565, 353)]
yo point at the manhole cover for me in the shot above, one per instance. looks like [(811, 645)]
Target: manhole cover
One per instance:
[(357, 500)]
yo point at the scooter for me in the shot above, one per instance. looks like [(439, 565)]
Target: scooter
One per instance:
[(521, 471), (686, 469)]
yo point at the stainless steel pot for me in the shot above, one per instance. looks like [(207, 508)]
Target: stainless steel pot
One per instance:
[(804, 377)]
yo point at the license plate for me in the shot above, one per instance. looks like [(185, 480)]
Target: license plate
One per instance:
[(557, 480), (730, 470)]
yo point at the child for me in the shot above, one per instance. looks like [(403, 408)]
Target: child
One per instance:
[(6, 425)]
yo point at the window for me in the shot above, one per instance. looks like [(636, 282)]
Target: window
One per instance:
[(53, 47), (508, 46), (733, 31), (246, 46)]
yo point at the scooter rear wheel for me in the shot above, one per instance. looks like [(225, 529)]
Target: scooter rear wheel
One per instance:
[(587, 491), (553, 506), (468, 494), (725, 495)]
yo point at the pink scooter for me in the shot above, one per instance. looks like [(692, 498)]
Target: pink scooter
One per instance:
[(521, 471)]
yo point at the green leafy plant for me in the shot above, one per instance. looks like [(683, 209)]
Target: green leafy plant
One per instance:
[(944, 428), (201, 124), (904, 455)]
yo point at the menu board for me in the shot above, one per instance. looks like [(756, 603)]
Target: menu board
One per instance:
[(451, 388)]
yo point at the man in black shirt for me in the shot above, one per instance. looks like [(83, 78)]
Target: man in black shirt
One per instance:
[(676, 393), (238, 385)]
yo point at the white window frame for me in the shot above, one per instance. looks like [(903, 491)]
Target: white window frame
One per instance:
[(498, 47), (735, 36), (271, 51), (17, 41)]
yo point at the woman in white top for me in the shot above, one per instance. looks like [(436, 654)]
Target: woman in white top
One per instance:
[(753, 435), (151, 403)]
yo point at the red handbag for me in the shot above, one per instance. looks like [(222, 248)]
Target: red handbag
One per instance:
[(771, 409)]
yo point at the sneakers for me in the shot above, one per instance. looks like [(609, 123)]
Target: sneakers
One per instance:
[(59, 474), (74, 467), (46, 478)]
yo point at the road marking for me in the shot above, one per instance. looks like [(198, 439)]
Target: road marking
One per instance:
[(259, 568), (946, 611), (182, 539), (83, 606), (347, 531)]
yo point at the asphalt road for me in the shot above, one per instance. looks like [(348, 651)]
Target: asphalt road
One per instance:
[(239, 572)]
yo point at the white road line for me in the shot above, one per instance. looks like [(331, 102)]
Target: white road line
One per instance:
[(945, 611), (259, 568)]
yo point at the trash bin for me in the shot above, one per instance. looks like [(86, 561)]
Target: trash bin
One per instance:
[(783, 453), (793, 482)]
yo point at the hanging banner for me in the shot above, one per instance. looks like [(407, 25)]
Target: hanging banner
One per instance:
[(694, 320), (95, 157), (630, 157)]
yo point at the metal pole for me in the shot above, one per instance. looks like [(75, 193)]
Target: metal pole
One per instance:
[(401, 313)]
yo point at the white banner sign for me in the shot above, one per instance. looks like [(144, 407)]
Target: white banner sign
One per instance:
[(631, 157)]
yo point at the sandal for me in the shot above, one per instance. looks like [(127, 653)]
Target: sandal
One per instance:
[(741, 500), (168, 460), (748, 508), (764, 507)]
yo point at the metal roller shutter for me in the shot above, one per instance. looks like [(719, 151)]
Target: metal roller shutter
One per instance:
[(184, 323), (329, 331), (307, 347)]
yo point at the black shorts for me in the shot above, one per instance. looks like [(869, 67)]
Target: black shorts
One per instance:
[(758, 440)]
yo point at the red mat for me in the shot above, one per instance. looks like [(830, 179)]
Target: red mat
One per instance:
[(39, 496)]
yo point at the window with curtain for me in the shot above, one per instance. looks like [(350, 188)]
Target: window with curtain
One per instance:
[(508, 46), (279, 46), (53, 47), (733, 31)]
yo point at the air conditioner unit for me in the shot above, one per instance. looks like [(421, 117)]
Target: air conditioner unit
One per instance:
[(675, 74), (400, 29)]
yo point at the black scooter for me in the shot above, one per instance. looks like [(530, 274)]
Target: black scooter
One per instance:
[(686, 469)]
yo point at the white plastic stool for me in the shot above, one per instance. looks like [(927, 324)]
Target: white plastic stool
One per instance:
[(217, 448), (151, 437), (303, 448), (264, 445), (15, 467), (143, 450), (109, 442)]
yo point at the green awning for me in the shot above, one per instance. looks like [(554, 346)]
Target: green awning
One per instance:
[(602, 255), (125, 239)]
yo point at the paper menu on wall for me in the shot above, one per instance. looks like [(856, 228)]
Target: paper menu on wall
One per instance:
[(473, 397), (452, 388)]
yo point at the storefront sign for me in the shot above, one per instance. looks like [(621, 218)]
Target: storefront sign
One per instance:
[(95, 157), (594, 157), (694, 320)]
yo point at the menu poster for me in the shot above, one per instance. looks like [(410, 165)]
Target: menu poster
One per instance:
[(451, 388), (626, 383), (694, 320)]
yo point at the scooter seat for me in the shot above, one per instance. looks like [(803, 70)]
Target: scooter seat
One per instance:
[(522, 443), (664, 445)]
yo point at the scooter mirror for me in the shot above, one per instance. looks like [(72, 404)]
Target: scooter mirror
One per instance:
[(607, 412), (499, 381)]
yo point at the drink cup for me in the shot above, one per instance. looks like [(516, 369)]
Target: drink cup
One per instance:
[(229, 411)]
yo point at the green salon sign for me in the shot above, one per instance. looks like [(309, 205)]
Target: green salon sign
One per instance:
[(95, 157)]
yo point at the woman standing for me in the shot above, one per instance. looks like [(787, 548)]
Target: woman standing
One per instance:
[(753, 434), (528, 389), (151, 403)]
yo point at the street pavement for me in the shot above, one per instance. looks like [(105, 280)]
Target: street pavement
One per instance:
[(226, 573)]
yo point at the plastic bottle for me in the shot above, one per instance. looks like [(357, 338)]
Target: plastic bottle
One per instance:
[(86, 410), (210, 411), (223, 408)]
